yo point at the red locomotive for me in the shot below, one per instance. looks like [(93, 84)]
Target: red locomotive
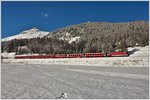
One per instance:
[(118, 54)]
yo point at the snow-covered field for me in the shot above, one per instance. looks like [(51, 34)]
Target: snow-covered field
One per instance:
[(112, 62), (35, 81), (138, 58), (48, 78)]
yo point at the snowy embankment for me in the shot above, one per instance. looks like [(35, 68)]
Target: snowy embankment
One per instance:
[(6, 55), (139, 58)]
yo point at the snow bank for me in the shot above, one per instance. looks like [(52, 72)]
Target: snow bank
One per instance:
[(8, 55), (138, 58), (139, 51), (112, 62)]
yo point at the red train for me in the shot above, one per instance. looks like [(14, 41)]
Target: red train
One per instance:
[(86, 55)]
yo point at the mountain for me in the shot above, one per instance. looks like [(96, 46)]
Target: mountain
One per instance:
[(28, 34), (84, 37), (84, 30), (36, 33), (99, 29)]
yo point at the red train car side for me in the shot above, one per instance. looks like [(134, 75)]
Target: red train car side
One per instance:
[(47, 56), (18, 57), (75, 55), (118, 54), (87, 55), (60, 56)]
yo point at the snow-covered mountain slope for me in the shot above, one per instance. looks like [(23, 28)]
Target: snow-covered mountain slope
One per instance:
[(67, 37), (34, 33), (139, 51), (27, 34)]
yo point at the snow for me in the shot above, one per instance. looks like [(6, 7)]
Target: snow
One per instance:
[(123, 75), (109, 62), (136, 59), (131, 49), (12, 55), (80, 78), (8, 55), (27, 34), (74, 39), (34, 33), (139, 51), (27, 81), (66, 36)]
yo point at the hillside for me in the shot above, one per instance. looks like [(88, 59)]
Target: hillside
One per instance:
[(27, 34), (82, 38)]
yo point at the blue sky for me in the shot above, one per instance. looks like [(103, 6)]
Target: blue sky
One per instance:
[(48, 15)]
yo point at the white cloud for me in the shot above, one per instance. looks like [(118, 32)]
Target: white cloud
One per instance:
[(44, 14)]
